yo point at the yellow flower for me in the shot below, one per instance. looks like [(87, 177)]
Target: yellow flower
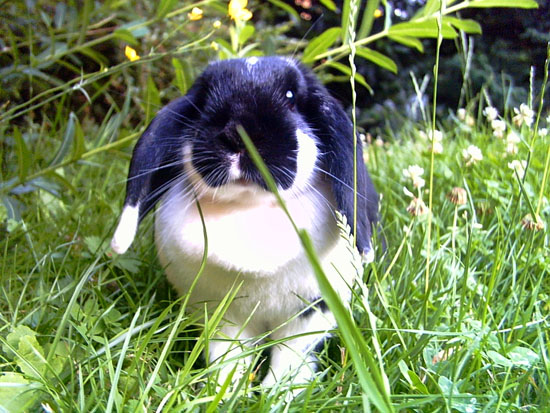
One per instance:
[(131, 54), (237, 10), (196, 14), (217, 24), (378, 13)]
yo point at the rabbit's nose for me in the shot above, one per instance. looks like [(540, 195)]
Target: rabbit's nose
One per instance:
[(231, 141)]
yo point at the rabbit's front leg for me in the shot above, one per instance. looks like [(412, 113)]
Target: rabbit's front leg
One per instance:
[(226, 350), (294, 358)]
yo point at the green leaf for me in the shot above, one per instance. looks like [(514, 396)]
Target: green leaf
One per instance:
[(68, 138), (359, 78), (282, 5), (498, 359), (94, 55), (165, 7), (13, 207), (344, 24), (31, 358), (96, 244), (417, 383), (368, 18), (13, 338), (138, 28), (245, 34), (430, 8), (126, 36), (378, 58), (152, 99), (60, 13), (321, 44), (22, 346), (520, 4), (466, 25), (17, 394), (127, 262), (524, 357), (24, 157), (183, 78), (329, 4), (79, 146), (409, 42), (427, 28)]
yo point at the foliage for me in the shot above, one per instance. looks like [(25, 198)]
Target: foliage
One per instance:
[(453, 313)]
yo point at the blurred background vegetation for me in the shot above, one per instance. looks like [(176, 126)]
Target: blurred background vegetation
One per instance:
[(47, 43)]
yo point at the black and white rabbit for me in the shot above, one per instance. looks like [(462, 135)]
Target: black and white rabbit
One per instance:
[(192, 153)]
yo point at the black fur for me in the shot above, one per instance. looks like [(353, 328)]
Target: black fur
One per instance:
[(270, 104), (320, 305)]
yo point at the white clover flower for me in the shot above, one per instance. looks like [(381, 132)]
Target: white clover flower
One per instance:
[(513, 137), (472, 154), (437, 147), (519, 167), (490, 113), (543, 132), (512, 140), (414, 173), (512, 148), (461, 114), (499, 126), (523, 115), (437, 138)]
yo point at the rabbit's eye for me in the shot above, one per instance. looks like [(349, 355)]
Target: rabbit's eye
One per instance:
[(291, 97)]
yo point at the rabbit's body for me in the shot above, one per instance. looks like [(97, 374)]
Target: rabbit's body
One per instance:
[(252, 243), (192, 155)]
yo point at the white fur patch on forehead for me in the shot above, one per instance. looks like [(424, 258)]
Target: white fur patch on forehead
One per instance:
[(291, 61), (251, 61), (126, 229), (305, 159)]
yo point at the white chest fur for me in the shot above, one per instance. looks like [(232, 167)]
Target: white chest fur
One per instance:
[(255, 244)]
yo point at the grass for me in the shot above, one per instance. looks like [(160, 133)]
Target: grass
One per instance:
[(454, 312)]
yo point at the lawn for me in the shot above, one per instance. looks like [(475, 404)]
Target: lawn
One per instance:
[(452, 316)]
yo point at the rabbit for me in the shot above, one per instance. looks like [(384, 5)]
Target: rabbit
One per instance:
[(214, 202)]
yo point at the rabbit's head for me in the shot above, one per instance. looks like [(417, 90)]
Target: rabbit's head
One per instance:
[(298, 129)]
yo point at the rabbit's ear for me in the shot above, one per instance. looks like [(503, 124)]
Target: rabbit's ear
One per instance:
[(335, 131), (156, 163)]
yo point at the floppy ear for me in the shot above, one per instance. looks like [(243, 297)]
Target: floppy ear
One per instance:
[(335, 131), (156, 163)]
